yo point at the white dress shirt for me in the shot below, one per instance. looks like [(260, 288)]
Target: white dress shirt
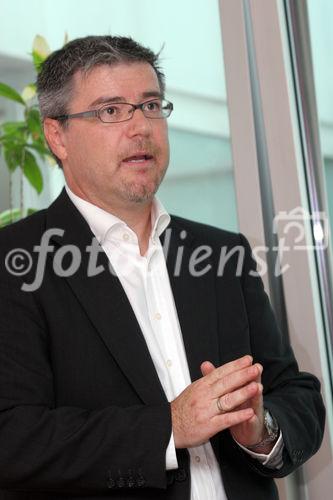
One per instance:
[(146, 283)]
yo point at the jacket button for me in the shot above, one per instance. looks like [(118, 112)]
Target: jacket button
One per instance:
[(180, 474)]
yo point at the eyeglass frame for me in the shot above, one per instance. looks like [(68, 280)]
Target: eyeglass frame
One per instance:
[(96, 112)]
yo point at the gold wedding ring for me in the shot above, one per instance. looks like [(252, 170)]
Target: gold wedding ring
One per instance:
[(219, 405)]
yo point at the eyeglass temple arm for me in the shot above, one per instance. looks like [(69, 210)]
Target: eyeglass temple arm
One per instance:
[(83, 114)]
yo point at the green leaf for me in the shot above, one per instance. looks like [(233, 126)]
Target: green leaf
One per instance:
[(9, 142), (10, 93), (32, 171), (31, 211), (40, 148), (40, 51), (13, 156), (37, 60), (40, 46), (13, 215), (8, 126), (12, 143), (29, 92), (9, 216), (14, 128)]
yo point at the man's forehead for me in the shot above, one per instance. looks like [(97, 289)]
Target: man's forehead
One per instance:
[(117, 77)]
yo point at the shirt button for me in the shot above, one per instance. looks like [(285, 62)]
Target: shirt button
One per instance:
[(125, 237), (169, 363), (158, 316), (197, 459)]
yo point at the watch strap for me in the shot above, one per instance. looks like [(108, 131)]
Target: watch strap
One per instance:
[(272, 429)]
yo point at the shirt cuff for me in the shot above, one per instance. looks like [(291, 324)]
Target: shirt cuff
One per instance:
[(171, 461), (271, 461)]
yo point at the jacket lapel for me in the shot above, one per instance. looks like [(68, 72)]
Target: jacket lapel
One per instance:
[(106, 303)]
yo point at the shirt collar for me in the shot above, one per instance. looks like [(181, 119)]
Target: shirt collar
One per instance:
[(101, 222)]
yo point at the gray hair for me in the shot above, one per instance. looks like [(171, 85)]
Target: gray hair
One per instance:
[(55, 80)]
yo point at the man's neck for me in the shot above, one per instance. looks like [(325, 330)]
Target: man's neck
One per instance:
[(137, 216)]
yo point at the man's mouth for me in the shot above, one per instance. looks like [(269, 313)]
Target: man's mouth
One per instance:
[(138, 158)]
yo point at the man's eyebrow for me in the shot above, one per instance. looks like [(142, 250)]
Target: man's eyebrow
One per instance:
[(152, 93), (107, 99)]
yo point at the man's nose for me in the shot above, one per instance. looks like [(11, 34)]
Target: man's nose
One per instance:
[(139, 124)]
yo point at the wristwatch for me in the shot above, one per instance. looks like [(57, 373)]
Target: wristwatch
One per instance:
[(272, 428)]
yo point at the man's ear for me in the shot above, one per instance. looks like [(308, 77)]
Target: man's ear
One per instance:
[(54, 135)]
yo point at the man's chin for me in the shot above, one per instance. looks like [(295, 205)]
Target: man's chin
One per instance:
[(136, 197), (141, 193)]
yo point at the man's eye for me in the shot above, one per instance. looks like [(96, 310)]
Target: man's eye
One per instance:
[(153, 106), (110, 110)]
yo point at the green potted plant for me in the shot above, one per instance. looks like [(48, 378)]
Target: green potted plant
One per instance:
[(22, 143)]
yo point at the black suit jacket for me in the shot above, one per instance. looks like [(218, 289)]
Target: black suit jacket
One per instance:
[(82, 411)]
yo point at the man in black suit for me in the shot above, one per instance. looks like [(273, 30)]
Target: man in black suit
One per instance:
[(135, 360)]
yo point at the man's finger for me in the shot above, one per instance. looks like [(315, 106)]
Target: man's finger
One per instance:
[(226, 420), (233, 400), (257, 401), (206, 368), (235, 380), (230, 367)]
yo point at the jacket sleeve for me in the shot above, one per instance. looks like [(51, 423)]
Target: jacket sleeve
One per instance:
[(66, 449), (293, 397)]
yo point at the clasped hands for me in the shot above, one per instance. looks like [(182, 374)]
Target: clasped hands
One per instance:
[(227, 397)]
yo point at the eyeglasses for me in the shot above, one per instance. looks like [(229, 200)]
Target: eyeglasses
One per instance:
[(123, 111)]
